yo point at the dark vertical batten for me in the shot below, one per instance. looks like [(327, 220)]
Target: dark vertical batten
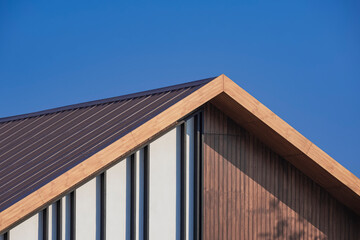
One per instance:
[(133, 198), (103, 206), (198, 121), (72, 215), (146, 192), (183, 181), (58, 220), (45, 223)]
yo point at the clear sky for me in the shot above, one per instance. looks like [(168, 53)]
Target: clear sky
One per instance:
[(300, 58)]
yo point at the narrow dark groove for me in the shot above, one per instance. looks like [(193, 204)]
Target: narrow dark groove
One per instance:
[(146, 192), (58, 220), (72, 215), (183, 181), (133, 198), (103, 206), (45, 223), (197, 176), (201, 175)]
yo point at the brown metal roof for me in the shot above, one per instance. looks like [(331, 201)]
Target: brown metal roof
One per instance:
[(36, 148)]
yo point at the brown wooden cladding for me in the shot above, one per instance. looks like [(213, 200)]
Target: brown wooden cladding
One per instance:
[(250, 192)]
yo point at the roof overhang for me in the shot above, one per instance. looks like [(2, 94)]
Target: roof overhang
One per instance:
[(237, 104)]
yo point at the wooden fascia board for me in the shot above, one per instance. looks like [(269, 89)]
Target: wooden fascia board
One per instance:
[(339, 181), (101, 160)]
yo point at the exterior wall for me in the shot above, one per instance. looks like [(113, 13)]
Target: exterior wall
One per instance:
[(250, 192)]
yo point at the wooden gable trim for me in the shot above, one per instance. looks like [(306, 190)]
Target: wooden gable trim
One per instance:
[(236, 103)]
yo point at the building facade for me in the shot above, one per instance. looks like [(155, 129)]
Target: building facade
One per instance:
[(201, 160)]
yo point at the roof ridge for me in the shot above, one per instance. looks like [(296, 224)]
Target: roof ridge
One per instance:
[(106, 100)]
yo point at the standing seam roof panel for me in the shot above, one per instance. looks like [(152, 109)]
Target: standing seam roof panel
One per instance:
[(38, 147)]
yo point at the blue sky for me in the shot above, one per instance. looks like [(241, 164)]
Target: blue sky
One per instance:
[(300, 58)]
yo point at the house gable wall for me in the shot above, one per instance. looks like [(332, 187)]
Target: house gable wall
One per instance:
[(250, 192)]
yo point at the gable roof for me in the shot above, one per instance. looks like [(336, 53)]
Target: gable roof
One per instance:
[(50, 152)]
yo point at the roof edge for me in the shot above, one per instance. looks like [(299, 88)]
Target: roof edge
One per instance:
[(106, 100)]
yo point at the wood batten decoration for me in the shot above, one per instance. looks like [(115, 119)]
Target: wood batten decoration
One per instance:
[(183, 181), (238, 105), (133, 197), (146, 192), (102, 206), (45, 223), (72, 214), (198, 176), (58, 219)]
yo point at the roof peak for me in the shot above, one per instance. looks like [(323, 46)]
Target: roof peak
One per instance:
[(106, 100)]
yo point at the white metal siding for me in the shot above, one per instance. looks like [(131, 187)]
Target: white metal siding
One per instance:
[(190, 179), (28, 230), (116, 195), (163, 194), (86, 211), (139, 164)]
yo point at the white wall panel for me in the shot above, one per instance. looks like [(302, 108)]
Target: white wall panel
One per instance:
[(163, 192), (51, 226), (28, 230), (139, 165), (85, 211), (52, 221), (66, 217), (190, 179), (117, 198)]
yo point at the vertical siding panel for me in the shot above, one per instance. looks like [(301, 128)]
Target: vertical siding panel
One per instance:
[(271, 216), (233, 180), (225, 174), (212, 177), (256, 191), (238, 190), (308, 209), (246, 185), (266, 196), (206, 175), (251, 188), (218, 183), (261, 205), (233, 186), (212, 180), (242, 186)]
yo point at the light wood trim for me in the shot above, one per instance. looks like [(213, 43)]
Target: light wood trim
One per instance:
[(119, 149)]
